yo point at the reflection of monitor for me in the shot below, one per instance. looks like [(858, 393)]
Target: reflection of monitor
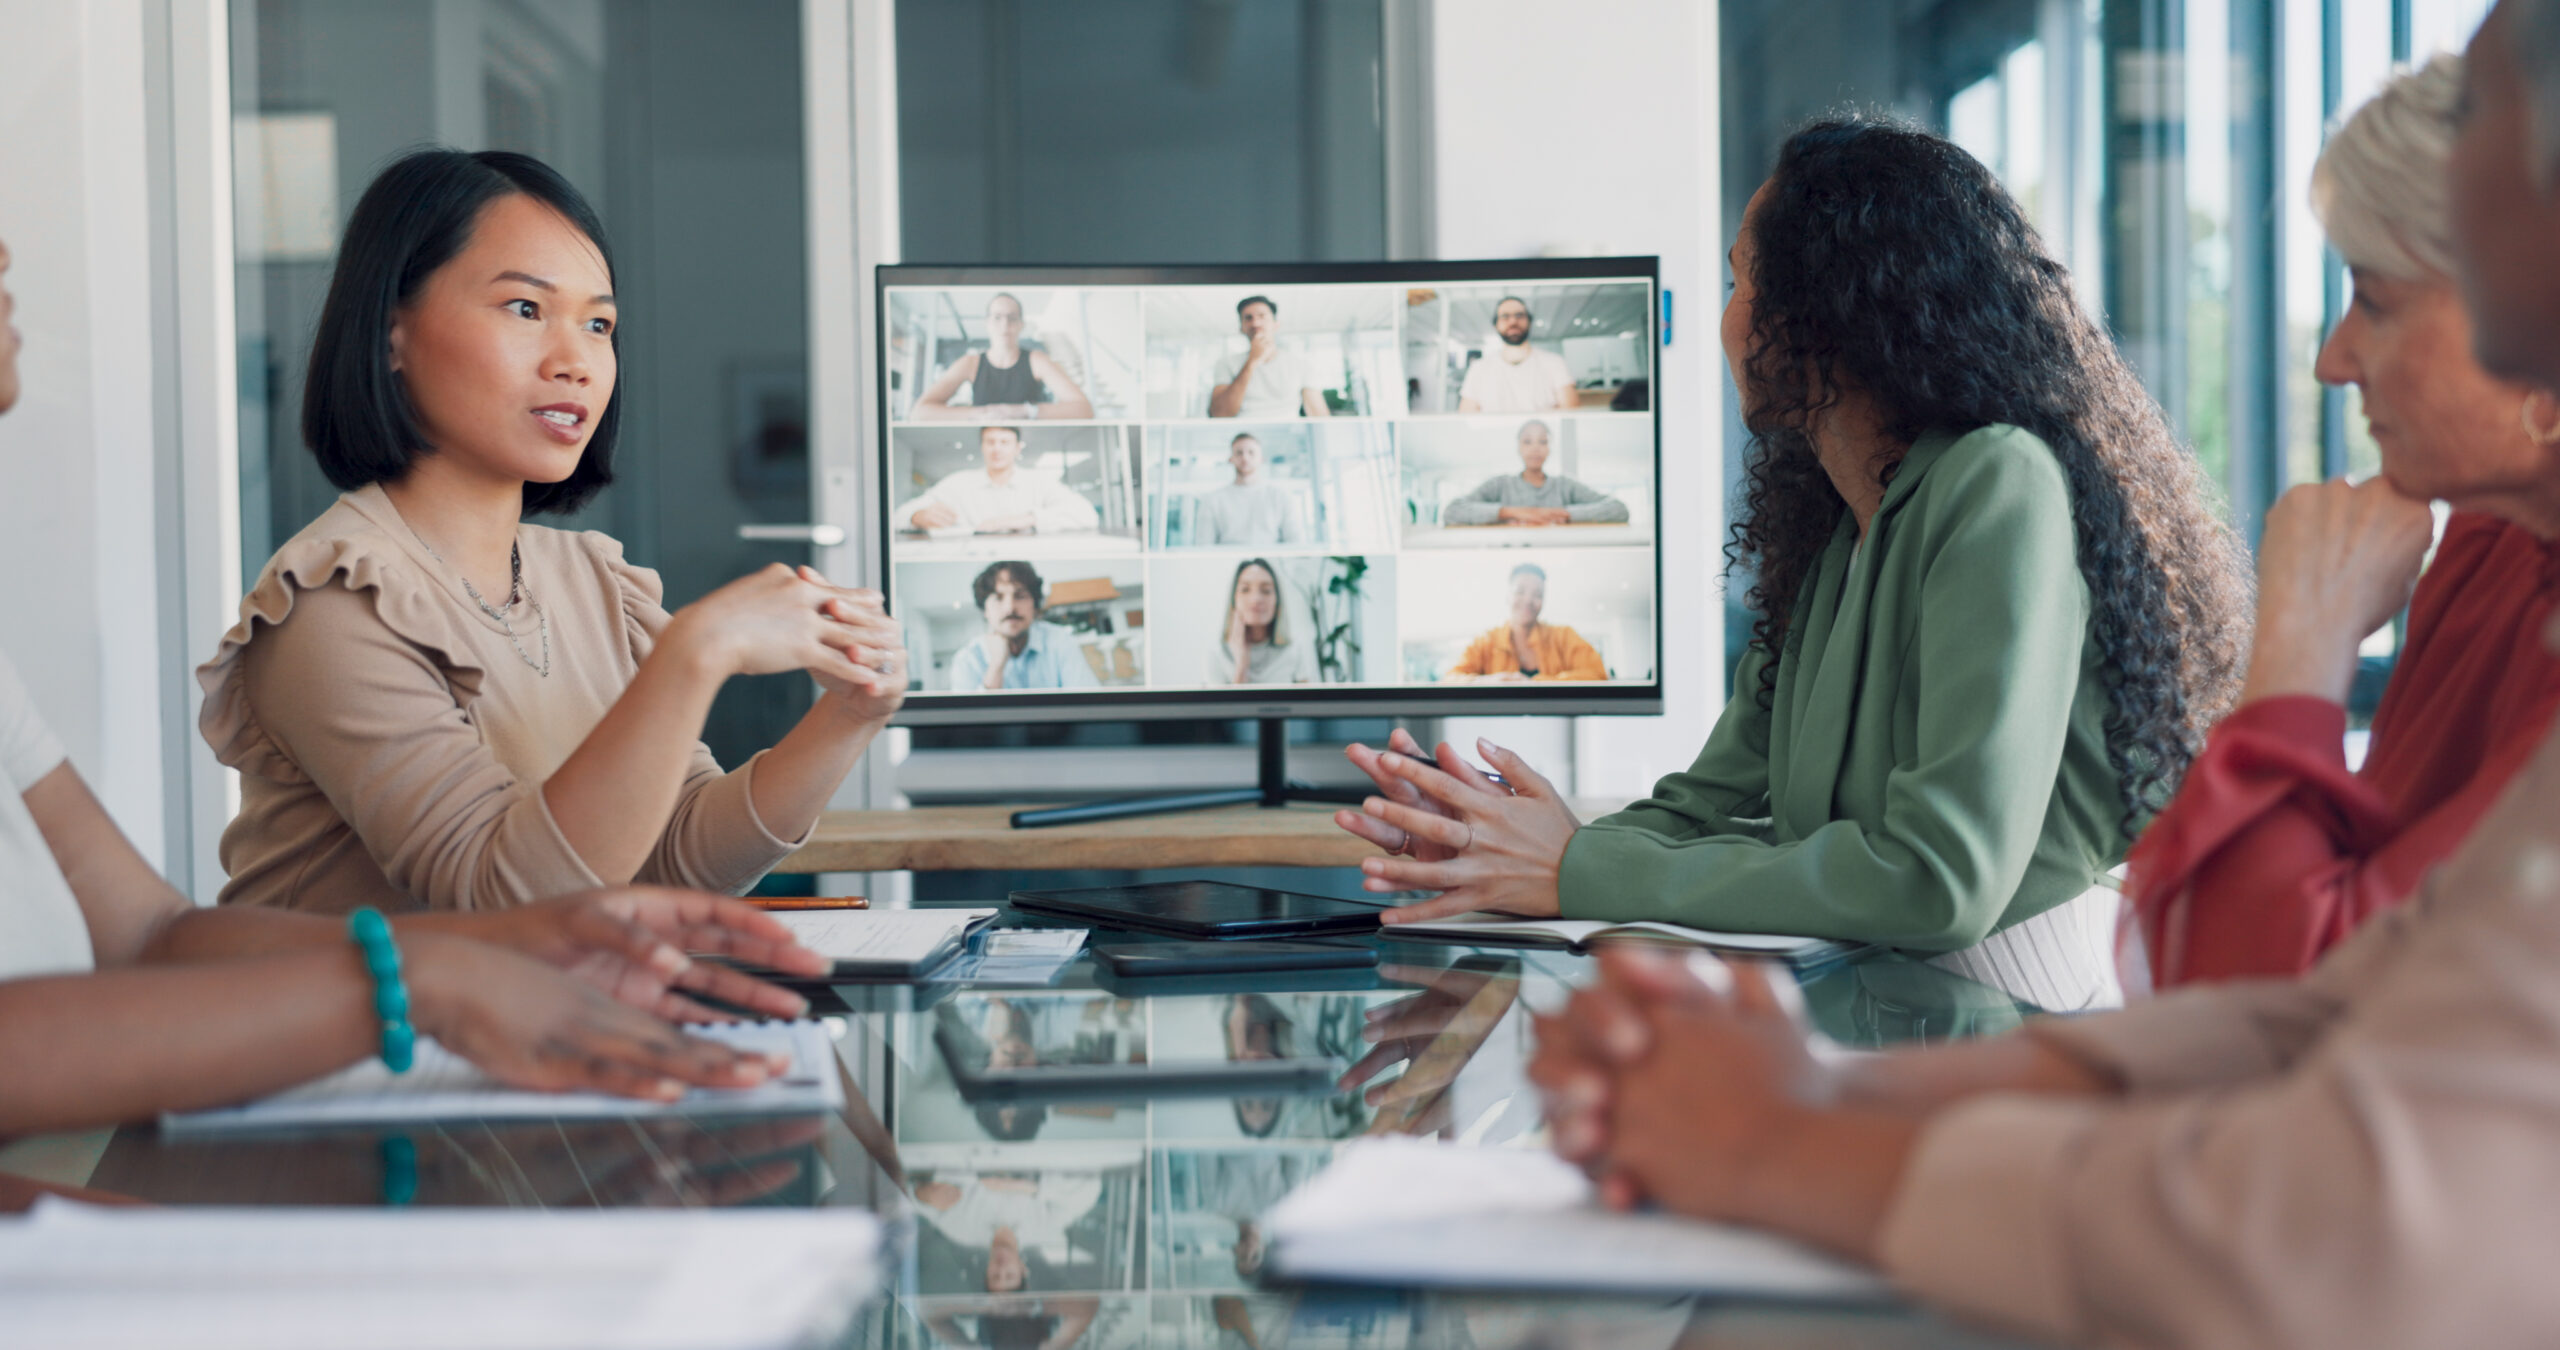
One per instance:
[(984, 1074), (1272, 491)]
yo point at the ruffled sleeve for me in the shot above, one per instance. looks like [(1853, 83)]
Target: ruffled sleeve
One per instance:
[(311, 561), (714, 841), (347, 675)]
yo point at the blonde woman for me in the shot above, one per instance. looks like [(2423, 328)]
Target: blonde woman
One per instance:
[(1254, 644), (2273, 850)]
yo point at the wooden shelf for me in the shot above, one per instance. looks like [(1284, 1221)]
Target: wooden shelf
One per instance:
[(955, 838)]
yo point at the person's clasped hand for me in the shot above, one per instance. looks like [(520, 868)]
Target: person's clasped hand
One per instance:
[(1667, 1090), (1481, 844), (636, 944), (784, 618)]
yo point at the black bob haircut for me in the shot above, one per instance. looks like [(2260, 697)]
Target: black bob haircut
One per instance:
[(1023, 576), (416, 217), (1252, 300)]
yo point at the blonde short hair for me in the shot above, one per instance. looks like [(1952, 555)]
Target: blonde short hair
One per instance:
[(2380, 185)]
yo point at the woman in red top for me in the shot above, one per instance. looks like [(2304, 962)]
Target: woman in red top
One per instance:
[(2272, 851)]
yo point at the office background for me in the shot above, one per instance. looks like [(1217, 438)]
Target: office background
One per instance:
[(754, 158)]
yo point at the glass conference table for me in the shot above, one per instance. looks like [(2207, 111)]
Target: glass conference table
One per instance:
[(1126, 1215)]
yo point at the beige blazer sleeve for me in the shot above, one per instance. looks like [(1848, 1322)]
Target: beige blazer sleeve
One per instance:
[(368, 716), (714, 840), (2367, 1160), (344, 682)]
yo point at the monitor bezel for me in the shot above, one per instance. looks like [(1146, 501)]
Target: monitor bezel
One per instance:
[(932, 707)]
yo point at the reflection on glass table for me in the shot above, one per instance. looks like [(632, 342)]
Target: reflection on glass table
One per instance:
[(1116, 1215)]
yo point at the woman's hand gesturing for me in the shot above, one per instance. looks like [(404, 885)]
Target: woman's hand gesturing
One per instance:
[(782, 618), (1500, 845)]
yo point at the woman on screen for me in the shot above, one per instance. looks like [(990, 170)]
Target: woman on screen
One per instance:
[(435, 705), (1997, 612), (1254, 645), (1007, 383)]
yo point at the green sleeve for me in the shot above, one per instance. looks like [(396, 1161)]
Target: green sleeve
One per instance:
[(1998, 663), (1726, 792)]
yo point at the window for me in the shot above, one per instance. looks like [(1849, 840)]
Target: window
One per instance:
[(2202, 120)]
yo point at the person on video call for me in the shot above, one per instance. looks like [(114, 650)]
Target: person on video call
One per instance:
[(1001, 498), (1521, 648), (1010, 1216), (1254, 646), (1006, 383), (1262, 380), (1018, 651), (1534, 496), (1252, 511), (1516, 377)]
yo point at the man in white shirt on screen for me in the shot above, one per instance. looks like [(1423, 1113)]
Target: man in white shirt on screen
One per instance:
[(1001, 498), (1251, 512), (1516, 377), (1262, 380)]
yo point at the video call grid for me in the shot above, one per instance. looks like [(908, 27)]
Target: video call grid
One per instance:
[(1144, 443)]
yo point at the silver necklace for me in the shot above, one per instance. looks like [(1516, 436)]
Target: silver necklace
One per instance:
[(499, 613)]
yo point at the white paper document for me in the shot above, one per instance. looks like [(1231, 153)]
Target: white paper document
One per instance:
[(883, 941), (73, 1277), (441, 1085), (1411, 1212)]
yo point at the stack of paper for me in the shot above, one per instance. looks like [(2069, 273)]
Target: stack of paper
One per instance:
[(443, 1086), (72, 1277), (1402, 1211), (884, 943)]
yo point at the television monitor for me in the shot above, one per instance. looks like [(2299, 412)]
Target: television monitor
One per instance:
[(1272, 491)]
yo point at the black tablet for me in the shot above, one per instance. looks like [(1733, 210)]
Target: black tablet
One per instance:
[(1205, 910)]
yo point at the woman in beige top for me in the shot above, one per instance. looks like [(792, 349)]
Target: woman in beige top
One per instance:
[(120, 999), (432, 704)]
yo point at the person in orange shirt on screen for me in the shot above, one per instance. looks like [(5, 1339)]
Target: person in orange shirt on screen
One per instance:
[(1521, 648)]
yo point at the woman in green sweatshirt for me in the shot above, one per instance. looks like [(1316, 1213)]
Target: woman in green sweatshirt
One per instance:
[(1997, 613)]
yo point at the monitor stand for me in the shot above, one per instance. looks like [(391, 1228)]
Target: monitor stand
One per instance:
[(1274, 790)]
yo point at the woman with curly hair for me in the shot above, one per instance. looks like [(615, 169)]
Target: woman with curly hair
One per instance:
[(1997, 612)]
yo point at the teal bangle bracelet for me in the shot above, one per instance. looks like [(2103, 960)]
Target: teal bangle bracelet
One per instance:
[(372, 933)]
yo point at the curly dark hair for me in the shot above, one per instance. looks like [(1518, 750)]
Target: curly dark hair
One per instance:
[(1887, 260)]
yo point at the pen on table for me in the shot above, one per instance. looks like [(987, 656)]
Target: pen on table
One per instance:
[(821, 902)]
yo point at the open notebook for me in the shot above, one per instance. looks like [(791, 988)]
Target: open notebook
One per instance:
[(73, 1277), (1403, 1211), (441, 1085), (884, 943), (1579, 935)]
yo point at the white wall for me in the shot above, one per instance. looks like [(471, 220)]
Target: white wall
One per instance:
[(1590, 128), (79, 607)]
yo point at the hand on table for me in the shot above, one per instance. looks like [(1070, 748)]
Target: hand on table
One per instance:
[(1668, 1090), (528, 1026), (635, 943), (935, 516), (1495, 846)]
